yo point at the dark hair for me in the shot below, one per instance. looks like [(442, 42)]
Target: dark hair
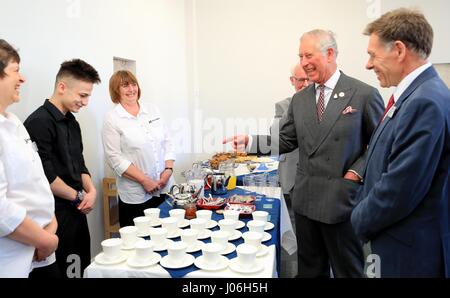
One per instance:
[(121, 77), (79, 70), (7, 54), (405, 25)]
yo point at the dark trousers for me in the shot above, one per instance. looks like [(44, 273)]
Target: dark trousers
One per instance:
[(50, 271), (127, 212), (323, 245), (74, 246)]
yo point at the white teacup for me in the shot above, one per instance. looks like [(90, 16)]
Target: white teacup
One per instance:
[(198, 224), (189, 236), (144, 250), (158, 235), (129, 235), (256, 226), (142, 223), (111, 248), (246, 254), (152, 213), (220, 238), (179, 214), (260, 215), (211, 253), (169, 223), (228, 225), (177, 252), (253, 238), (206, 214), (231, 214)]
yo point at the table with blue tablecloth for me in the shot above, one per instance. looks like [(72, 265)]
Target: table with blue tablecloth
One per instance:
[(268, 199)]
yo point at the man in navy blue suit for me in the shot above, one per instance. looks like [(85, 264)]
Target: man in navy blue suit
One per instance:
[(404, 203)]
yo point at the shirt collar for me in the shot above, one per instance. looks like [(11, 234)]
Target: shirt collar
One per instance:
[(56, 113), (11, 118), (407, 81), (120, 110), (332, 81)]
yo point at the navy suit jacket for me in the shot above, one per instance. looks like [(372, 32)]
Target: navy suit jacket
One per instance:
[(404, 203)]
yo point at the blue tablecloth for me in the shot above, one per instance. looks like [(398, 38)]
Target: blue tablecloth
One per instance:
[(262, 203)]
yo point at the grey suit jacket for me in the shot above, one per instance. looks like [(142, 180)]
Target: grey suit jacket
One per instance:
[(327, 150), (287, 162)]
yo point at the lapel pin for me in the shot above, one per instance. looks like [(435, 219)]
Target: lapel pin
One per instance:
[(335, 96), (342, 94)]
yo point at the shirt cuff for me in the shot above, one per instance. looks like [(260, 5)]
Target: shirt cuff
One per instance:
[(12, 217), (124, 165)]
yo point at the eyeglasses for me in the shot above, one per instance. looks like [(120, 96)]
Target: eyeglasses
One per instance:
[(301, 80)]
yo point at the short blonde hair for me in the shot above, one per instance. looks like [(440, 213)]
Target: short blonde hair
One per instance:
[(119, 78)]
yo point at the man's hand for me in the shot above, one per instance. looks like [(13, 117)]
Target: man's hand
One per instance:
[(48, 246), (164, 178), (352, 176), (87, 205), (239, 142)]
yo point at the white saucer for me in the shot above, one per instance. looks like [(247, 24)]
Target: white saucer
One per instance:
[(195, 247), (212, 224), (184, 223), (134, 262), (100, 259), (162, 246), (205, 234), (229, 249), (174, 234), (269, 226), (146, 234), (266, 237), (236, 235), (155, 223), (166, 262), (240, 225), (263, 250), (236, 266), (200, 263)]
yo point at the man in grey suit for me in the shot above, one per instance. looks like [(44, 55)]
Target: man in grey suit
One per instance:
[(331, 123), (288, 162)]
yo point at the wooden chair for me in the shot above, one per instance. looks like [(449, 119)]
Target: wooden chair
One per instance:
[(110, 207)]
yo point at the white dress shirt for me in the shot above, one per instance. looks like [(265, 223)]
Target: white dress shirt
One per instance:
[(24, 191), (141, 140), (329, 87)]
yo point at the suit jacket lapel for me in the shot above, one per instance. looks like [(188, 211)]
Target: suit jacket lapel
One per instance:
[(339, 99), (427, 74), (308, 111)]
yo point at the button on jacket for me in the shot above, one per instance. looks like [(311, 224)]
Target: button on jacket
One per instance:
[(142, 141)]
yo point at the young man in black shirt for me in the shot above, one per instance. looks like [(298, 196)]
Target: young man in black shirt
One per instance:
[(58, 136)]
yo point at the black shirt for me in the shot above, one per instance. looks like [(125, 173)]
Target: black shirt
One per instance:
[(58, 138)]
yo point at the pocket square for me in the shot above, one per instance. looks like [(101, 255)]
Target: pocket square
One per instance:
[(349, 110)]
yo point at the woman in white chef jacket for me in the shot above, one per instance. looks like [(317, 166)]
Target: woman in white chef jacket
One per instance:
[(137, 147), (27, 221)]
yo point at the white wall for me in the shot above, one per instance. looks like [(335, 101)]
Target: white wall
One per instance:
[(47, 32)]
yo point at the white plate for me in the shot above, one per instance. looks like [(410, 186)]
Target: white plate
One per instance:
[(269, 226), (174, 234), (211, 224), (263, 250), (240, 225), (100, 259), (248, 269), (200, 263), (205, 234), (155, 223), (146, 234), (184, 223), (134, 262), (229, 249), (236, 235), (198, 245), (266, 237), (166, 262), (162, 246)]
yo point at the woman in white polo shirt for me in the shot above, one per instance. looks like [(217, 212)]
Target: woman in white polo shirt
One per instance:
[(137, 147), (27, 221)]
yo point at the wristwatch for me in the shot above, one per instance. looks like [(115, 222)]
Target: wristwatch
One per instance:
[(78, 199)]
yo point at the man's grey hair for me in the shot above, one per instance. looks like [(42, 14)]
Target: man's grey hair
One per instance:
[(327, 40)]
